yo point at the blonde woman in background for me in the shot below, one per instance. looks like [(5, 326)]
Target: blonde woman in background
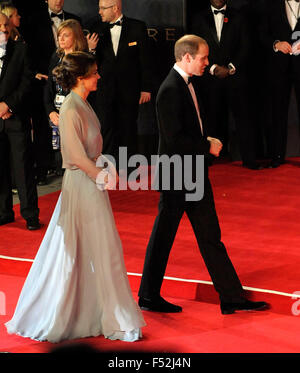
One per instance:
[(11, 12), (70, 38)]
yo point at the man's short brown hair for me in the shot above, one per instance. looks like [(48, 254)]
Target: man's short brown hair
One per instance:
[(187, 44)]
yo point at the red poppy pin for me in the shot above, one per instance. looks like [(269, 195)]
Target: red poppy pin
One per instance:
[(225, 19)]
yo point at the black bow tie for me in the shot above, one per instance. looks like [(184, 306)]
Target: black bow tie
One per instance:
[(118, 23), (61, 15), (219, 11), (189, 80)]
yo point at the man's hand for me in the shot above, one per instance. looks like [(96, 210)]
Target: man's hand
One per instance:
[(4, 109), (92, 40), (145, 97), (54, 117), (215, 146), (221, 72), (6, 116), (284, 47), (40, 76)]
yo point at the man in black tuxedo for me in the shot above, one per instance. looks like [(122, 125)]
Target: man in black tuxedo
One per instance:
[(15, 130), (182, 130), (124, 66), (225, 83), (39, 31), (280, 28)]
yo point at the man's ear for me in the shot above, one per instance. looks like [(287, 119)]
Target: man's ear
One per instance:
[(187, 57)]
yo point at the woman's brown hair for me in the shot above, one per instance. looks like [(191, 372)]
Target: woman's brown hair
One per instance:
[(80, 42)]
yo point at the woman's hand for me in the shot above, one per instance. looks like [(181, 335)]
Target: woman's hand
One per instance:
[(54, 117)]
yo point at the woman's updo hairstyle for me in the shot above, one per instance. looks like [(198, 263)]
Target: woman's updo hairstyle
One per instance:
[(73, 66)]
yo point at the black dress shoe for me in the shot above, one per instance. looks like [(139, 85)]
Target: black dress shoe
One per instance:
[(253, 165), (248, 305), (42, 180), (276, 162), (6, 219), (59, 172), (158, 305), (33, 224)]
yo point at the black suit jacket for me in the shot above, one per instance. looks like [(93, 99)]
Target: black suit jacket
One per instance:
[(234, 45), (127, 73), (50, 89), (179, 128), (15, 84), (275, 26), (37, 32)]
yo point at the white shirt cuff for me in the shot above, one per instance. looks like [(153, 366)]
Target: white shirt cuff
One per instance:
[(212, 69), (275, 49), (231, 68)]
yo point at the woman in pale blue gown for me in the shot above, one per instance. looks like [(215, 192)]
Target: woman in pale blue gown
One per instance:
[(77, 285)]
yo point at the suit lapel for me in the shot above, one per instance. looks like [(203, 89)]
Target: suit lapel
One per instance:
[(107, 36), (188, 96), (212, 26), (9, 51), (225, 28), (297, 27), (282, 12), (123, 36)]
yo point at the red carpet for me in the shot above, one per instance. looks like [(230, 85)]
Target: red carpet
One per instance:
[(260, 222)]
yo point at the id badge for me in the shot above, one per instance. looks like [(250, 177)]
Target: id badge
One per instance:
[(59, 99)]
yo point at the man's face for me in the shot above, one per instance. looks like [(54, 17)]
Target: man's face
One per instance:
[(4, 28), (198, 64), (56, 5), (218, 4), (107, 10)]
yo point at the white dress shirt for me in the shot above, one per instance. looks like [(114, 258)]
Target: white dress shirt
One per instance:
[(2, 54), (115, 32), (185, 76), (292, 8), (219, 21), (55, 24), (292, 12)]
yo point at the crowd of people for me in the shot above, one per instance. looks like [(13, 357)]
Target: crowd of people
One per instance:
[(56, 65), (226, 88)]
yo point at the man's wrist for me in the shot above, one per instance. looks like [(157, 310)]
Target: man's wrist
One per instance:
[(274, 45)]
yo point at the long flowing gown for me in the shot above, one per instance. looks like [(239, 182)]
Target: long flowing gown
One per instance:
[(77, 285)]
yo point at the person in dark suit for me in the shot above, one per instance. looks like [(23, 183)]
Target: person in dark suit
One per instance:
[(124, 66), (225, 83), (182, 130), (280, 28), (40, 32), (15, 130)]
